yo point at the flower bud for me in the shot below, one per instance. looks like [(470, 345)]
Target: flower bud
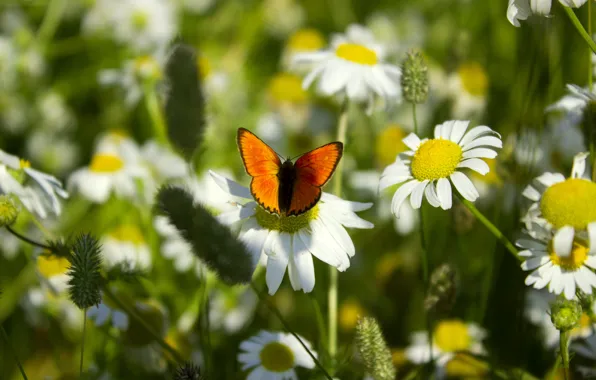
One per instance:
[(414, 78), (8, 211), (373, 349), (565, 314), (441, 291)]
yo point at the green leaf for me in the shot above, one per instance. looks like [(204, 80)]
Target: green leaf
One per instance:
[(185, 103), (211, 241)]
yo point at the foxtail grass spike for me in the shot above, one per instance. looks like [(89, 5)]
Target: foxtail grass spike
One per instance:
[(373, 349), (188, 371), (414, 78), (85, 277)]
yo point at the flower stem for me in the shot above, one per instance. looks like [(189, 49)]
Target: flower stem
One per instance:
[(590, 70), (10, 348), (491, 227), (415, 118), (564, 352), (83, 342), (26, 239), (580, 29), (130, 311), (51, 20), (342, 127), (285, 324), (156, 114)]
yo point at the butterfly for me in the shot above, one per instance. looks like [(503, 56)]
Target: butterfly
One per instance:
[(286, 188)]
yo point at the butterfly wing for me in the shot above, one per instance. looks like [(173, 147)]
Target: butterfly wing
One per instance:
[(313, 170), (263, 164)]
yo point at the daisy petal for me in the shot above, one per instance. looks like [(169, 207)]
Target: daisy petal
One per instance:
[(465, 187), (401, 194), (563, 241), (416, 198), (476, 164), (475, 132), (412, 141), (484, 141), (592, 237), (230, 186), (479, 153), (444, 193), (431, 195), (278, 262), (458, 130), (305, 268)]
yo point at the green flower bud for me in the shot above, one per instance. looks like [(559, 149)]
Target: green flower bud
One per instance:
[(373, 349), (565, 314), (442, 290), (8, 211), (414, 78)]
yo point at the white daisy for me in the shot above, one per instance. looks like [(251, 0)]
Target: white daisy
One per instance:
[(290, 242), (305, 40), (430, 165), (231, 309), (126, 245), (42, 192), (522, 9), (353, 66), (174, 247), (575, 102), (450, 337), (274, 356), (468, 89), (563, 262), (558, 201), (54, 112), (106, 312), (52, 151)]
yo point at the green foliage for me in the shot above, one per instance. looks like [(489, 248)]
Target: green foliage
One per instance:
[(373, 349), (85, 277)]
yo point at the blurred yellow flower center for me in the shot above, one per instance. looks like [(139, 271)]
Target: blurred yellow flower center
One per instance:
[(356, 53), (577, 257), (491, 178), (289, 224), (473, 78), (106, 163), (277, 357), (139, 19), (128, 233), (147, 67), (349, 312), (204, 67), (306, 40), (24, 164), (584, 322), (49, 266), (389, 144), (570, 203), (287, 88), (436, 159), (452, 336)]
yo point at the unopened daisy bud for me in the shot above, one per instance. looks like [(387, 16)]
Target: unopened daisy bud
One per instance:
[(188, 371), (373, 349), (565, 314), (8, 211), (442, 290), (85, 277), (414, 78)]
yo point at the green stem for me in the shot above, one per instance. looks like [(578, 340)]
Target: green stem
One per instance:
[(156, 115), (491, 227), (580, 29), (320, 321), (14, 354), (51, 20), (415, 118), (590, 74), (130, 311), (27, 240), (342, 127), (83, 343), (285, 324), (564, 352)]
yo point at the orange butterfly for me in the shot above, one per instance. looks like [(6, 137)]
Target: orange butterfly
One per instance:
[(286, 188)]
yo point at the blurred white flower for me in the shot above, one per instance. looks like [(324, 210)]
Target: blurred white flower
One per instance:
[(10, 244), (306, 40), (54, 112), (575, 102), (232, 309), (51, 151), (163, 163), (125, 245), (104, 312), (399, 33), (468, 88), (132, 76), (197, 6), (282, 17), (174, 247), (522, 9)]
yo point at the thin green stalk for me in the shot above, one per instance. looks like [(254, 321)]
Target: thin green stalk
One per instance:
[(14, 354), (590, 70), (26, 239), (156, 114), (342, 127), (553, 372), (491, 227), (564, 352), (320, 321), (51, 20), (415, 118), (83, 342), (580, 29), (131, 312), (285, 324)]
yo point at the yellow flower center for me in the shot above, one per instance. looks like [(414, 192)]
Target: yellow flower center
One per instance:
[(147, 68), (106, 163), (204, 66), (24, 163), (49, 266), (128, 233), (306, 40), (584, 322), (577, 257), (287, 88), (436, 159), (356, 53), (277, 357), (289, 224), (389, 144), (139, 20), (349, 312), (570, 203), (473, 78), (452, 335)]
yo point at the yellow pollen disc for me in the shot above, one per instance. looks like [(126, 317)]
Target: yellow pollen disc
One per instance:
[(139, 20), (306, 40), (349, 312), (357, 54), (473, 78), (128, 233), (436, 159), (389, 144), (277, 357), (570, 203), (287, 88), (289, 224), (24, 164), (49, 266), (452, 335), (106, 163), (577, 257), (204, 66)]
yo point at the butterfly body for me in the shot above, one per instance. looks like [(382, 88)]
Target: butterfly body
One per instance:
[(288, 188)]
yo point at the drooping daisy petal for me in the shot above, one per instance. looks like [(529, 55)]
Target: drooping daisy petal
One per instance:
[(563, 241), (464, 186)]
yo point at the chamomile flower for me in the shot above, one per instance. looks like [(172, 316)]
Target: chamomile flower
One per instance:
[(522, 9), (133, 75), (305, 40), (575, 102), (353, 66), (232, 309), (174, 247), (274, 356), (558, 201), (432, 165), (468, 88), (291, 242), (450, 337), (126, 245), (290, 101), (564, 261), (42, 192)]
